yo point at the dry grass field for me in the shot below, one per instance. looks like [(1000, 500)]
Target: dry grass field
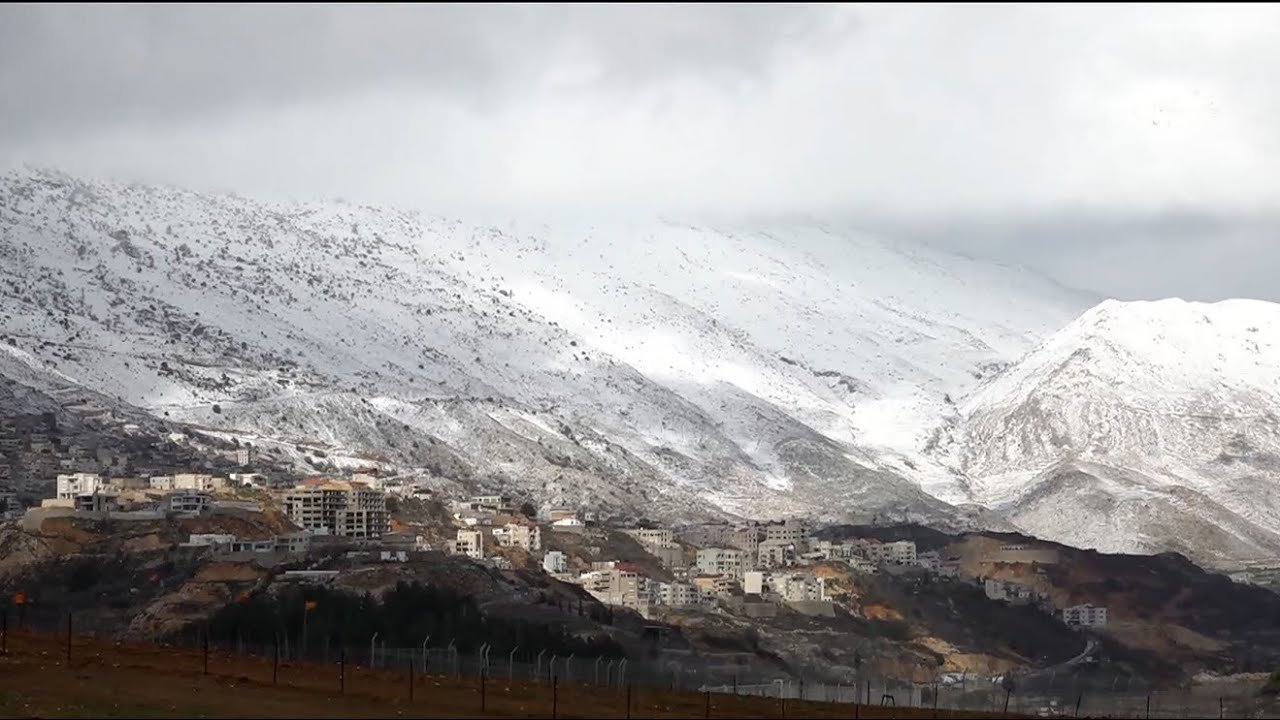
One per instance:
[(108, 680)]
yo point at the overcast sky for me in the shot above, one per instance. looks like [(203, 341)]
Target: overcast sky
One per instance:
[(1131, 150)]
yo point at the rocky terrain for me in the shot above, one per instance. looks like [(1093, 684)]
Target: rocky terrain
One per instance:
[(660, 368), (1140, 427)]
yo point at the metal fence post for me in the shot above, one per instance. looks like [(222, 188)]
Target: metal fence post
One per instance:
[(275, 661), (4, 630), (68, 638), (483, 675), (410, 664), (342, 671), (555, 695)]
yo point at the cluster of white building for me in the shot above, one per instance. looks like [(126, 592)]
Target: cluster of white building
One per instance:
[(766, 560), (326, 506)]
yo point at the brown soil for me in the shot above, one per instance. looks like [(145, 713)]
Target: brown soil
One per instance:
[(106, 680)]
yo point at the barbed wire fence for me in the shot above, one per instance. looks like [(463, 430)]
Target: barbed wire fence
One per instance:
[(1070, 693)]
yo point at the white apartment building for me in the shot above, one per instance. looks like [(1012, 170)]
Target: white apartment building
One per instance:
[(712, 587), (799, 587), (621, 585), (490, 502), (200, 482), (902, 552), (573, 525), (660, 537), (722, 561), (249, 479), (210, 539), (1085, 616), (522, 535), (791, 531), (754, 582), (555, 562), (71, 486), (341, 508), (677, 594), (776, 554), (470, 543)]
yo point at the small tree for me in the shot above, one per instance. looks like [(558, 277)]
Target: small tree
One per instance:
[(528, 510)]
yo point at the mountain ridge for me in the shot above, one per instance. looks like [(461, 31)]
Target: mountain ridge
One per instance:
[(663, 368)]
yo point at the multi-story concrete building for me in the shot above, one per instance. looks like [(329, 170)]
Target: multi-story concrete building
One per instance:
[(71, 486), (520, 534), (902, 552), (711, 587), (620, 585), (790, 530), (745, 538), (677, 594), (246, 455), (210, 540), (555, 562), (103, 500), (1085, 616), (470, 543), (799, 587), (776, 554), (707, 535), (660, 537), (342, 508), (189, 503), (298, 543), (492, 503), (199, 482), (730, 562)]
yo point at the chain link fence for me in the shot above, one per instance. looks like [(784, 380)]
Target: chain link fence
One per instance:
[(1071, 693)]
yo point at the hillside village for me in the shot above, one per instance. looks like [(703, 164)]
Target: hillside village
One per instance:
[(235, 518), (750, 568)]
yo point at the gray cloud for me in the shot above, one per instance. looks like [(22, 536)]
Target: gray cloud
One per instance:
[(68, 68), (1191, 254), (1053, 136)]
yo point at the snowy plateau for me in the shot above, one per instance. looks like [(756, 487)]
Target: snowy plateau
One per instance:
[(665, 369)]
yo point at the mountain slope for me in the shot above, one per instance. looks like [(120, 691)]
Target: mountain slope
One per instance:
[(1139, 427), (657, 367)]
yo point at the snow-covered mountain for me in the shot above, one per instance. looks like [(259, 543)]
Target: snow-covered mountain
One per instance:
[(1140, 427), (658, 367)]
